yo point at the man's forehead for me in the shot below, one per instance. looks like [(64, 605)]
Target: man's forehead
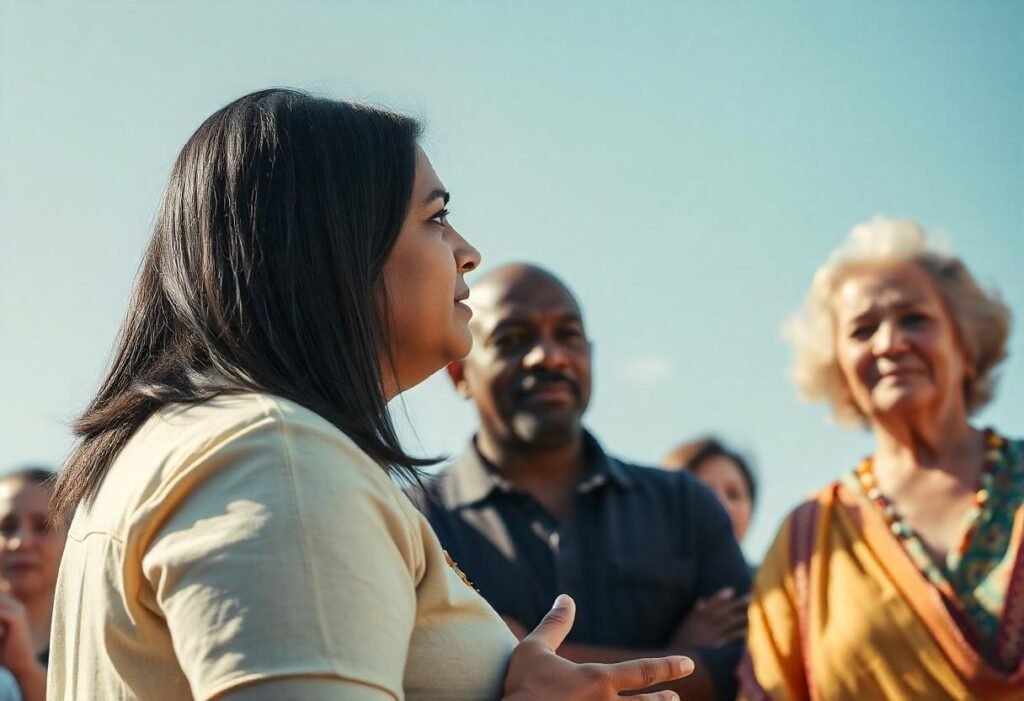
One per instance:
[(526, 297), (511, 312), (523, 285)]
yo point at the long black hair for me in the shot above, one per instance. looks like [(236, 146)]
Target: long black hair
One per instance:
[(263, 274)]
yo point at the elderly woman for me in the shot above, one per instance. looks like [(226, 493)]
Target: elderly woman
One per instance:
[(904, 579)]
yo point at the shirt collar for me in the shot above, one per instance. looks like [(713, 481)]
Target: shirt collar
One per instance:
[(472, 479)]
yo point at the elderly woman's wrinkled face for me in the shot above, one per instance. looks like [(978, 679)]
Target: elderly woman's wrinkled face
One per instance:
[(896, 344)]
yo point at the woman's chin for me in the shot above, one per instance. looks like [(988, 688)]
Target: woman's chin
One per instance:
[(461, 345), (901, 404), (23, 587)]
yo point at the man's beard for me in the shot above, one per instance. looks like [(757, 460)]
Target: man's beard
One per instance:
[(545, 432)]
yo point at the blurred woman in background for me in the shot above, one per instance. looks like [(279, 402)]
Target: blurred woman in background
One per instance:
[(724, 472), (904, 579), (30, 552)]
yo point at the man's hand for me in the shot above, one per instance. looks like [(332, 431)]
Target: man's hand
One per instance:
[(718, 620), (536, 673)]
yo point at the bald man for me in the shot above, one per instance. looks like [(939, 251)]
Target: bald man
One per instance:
[(535, 507)]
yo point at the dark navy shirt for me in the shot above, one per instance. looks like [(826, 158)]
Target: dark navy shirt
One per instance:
[(636, 549)]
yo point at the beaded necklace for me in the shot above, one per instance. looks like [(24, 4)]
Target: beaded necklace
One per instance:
[(869, 485)]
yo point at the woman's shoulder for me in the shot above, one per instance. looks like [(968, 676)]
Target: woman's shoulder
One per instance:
[(194, 430), (232, 413), (258, 439)]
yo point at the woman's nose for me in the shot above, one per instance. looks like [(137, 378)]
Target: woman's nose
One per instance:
[(467, 258), (890, 339)]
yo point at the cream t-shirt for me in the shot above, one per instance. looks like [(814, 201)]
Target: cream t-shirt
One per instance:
[(247, 539)]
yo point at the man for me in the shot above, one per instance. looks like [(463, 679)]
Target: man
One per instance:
[(535, 507)]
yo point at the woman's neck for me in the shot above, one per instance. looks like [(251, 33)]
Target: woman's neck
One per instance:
[(947, 443)]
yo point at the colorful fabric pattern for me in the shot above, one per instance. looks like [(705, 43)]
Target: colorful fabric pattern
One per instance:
[(974, 579), (842, 611)]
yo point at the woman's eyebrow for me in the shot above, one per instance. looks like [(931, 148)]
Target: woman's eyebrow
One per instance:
[(435, 193)]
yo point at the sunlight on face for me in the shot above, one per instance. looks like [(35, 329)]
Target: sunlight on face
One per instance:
[(423, 277), (896, 344)]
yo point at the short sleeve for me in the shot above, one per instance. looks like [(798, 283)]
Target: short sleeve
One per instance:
[(283, 553)]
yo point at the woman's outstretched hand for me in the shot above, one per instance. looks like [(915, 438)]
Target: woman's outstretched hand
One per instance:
[(536, 673)]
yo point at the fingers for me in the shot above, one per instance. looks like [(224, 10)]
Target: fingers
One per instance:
[(731, 635), (551, 631), (724, 600), (733, 615), (649, 671), (731, 626)]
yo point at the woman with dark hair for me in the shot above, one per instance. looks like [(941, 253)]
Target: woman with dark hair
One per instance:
[(725, 472), (30, 550), (236, 531)]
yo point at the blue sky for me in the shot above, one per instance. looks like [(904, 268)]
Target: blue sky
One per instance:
[(684, 166)]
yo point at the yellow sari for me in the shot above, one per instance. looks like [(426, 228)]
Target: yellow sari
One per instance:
[(841, 613)]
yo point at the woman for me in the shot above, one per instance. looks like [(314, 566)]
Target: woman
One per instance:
[(724, 472), (904, 579), (30, 550), (236, 531)]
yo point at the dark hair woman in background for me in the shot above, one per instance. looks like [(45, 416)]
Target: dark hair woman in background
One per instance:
[(30, 550), (725, 472), (236, 531)]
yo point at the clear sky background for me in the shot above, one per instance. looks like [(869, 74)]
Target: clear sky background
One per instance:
[(684, 166)]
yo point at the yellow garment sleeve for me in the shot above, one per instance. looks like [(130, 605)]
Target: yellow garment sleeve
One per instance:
[(773, 639)]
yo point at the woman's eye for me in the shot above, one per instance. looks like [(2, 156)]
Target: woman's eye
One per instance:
[(862, 333), (441, 217), (915, 319), (8, 528)]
